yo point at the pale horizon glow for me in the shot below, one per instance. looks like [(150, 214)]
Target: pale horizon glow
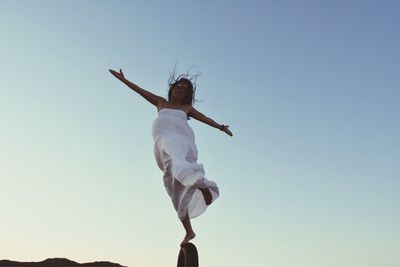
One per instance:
[(309, 88)]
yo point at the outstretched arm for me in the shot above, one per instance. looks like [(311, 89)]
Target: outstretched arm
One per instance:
[(203, 118), (152, 98)]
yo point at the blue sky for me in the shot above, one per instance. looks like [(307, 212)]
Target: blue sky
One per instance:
[(310, 89)]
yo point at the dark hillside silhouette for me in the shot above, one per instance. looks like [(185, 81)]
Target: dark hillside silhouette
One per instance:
[(57, 262)]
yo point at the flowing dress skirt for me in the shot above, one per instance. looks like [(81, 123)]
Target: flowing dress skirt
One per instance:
[(176, 155)]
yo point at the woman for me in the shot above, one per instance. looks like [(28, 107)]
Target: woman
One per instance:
[(175, 149)]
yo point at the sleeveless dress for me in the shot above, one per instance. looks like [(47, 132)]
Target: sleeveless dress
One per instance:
[(176, 155)]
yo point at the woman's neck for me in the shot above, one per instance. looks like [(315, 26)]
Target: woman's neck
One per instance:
[(176, 102)]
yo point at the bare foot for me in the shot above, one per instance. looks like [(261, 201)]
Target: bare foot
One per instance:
[(188, 237), (207, 195)]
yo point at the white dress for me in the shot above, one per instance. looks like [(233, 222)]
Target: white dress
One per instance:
[(176, 155)]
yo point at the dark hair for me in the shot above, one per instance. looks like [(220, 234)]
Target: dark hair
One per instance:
[(189, 80)]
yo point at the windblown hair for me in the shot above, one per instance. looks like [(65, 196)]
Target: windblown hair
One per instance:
[(189, 80)]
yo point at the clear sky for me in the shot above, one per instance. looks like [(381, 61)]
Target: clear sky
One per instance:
[(311, 91)]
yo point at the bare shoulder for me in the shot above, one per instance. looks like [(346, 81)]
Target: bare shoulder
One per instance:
[(187, 108), (194, 113), (161, 103)]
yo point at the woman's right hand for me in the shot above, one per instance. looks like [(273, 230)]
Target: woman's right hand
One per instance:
[(119, 75)]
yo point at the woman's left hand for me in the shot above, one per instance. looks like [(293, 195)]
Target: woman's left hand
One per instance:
[(226, 130)]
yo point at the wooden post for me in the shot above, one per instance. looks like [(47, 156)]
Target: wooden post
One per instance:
[(188, 256)]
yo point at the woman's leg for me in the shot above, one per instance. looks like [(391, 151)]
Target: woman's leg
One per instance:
[(207, 195), (186, 221), (189, 231)]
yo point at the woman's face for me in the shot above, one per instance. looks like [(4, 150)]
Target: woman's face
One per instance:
[(180, 90)]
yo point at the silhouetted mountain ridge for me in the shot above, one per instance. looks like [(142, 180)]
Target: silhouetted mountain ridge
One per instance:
[(57, 262)]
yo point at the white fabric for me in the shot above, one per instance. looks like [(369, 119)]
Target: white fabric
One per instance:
[(176, 155)]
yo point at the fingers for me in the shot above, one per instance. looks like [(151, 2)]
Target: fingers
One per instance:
[(228, 131), (119, 75), (113, 72)]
